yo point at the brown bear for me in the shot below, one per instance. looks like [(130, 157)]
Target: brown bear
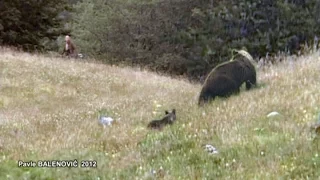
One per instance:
[(169, 118), (226, 78)]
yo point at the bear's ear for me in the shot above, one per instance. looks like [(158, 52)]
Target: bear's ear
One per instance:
[(174, 111), (166, 112)]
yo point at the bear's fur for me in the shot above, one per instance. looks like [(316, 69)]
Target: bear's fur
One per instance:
[(169, 118), (226, 78)]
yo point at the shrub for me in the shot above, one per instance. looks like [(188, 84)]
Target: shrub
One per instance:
[(29, 23), (191, 37)]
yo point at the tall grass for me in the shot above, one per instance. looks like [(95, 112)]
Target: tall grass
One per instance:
[(49, 110)]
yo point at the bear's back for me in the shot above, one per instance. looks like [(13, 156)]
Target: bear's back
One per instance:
[(234, 70)]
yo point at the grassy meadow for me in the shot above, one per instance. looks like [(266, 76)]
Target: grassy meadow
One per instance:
[(49, 109)]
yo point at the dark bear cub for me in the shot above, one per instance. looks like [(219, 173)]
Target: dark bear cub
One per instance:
[(169, 118)]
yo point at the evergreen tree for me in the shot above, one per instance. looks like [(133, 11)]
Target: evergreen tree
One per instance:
[(26, 23)]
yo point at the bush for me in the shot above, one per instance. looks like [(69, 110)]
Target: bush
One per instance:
[(29, 23), (191, 37)]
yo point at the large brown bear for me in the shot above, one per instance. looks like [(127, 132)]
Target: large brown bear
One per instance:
[(226, 78)]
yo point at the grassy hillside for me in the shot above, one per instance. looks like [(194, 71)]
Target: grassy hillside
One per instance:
[(49, 110)]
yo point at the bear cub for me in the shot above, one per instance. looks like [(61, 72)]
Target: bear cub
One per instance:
[(169, 118)]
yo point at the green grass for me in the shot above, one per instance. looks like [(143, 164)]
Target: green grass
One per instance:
[(49, 110)]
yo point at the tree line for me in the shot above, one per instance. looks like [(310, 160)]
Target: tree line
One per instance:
[(178, 37)]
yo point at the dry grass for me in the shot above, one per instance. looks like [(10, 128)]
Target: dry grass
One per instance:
[(49, 109)]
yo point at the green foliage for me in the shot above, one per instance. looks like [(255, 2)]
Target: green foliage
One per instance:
[(28, 24), (260, 26), (191, 37), (98, 27)]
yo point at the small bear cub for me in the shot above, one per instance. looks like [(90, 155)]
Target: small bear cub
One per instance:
[(169, 118)]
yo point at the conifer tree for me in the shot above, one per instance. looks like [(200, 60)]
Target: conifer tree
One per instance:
[(25, 23)]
